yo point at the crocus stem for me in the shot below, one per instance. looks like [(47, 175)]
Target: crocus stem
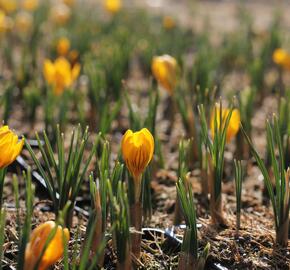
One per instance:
[(98, 233), (69, 217), (215, 201), (186, 261), (238, 222), (282, 233), (136, 222), (189, 247), (216, 211), (243, 149), (126, 264), (204, 175), (137, 187), (177, 212), (169, 113), (2, 178), (136, 218), (191, 130), (93, 116)]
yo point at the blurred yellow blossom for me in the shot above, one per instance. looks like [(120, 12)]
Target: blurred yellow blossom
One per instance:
[(3, 26), (164, 69), (168, 22), (8, 6), (69, 2), (54, 250), (60, 74), (60, 13), (63, 46), (282, 58), (234, 124), (23, 21), (137, 150), (6, 22), (30, 5), (10, 146), (113, 6)]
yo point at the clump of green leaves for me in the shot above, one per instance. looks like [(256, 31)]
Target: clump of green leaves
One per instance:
[(278, 188), (184, 147), (121, 232), (26, 227), (215, 148), (188, 257), (65, 174), (103, 110)]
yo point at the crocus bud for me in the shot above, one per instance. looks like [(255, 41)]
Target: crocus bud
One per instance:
[(63, 46), (10, 146), (113, 6), (281, 58), (60, 74), (164, 69), (54, 250), (234, 123), (137, 149)]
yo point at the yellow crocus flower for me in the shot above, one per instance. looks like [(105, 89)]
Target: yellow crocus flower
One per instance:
[(54, 250), (8, 6), (10, 146), (137, 150), (164, 69), (113, 6), (282, 58), (60, 74), (30, 5), (63, 46), (234, 123), (3, 27)]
